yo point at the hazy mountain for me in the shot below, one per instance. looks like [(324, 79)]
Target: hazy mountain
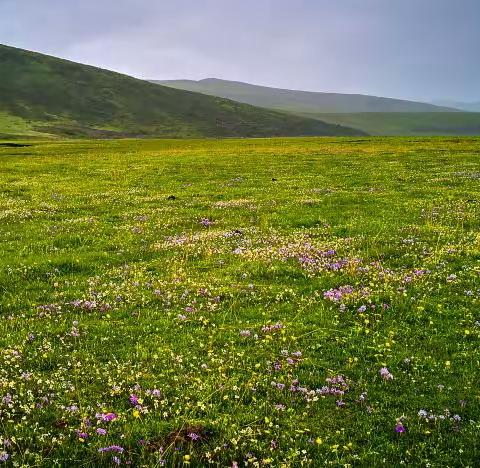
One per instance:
[(373, 115), (466, 106), (300, 101), (41, 94)]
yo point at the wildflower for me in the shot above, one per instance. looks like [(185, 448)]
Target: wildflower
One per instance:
[(111, 448), (107, 416), (101, 431), (336, 295), (7, 399), (116, 460), (422, 413), (271, 328), (400, 428), (385, 374), (134, 400), (193, 436), (245, 333), (362, 308), (4, 456), (205, 222)]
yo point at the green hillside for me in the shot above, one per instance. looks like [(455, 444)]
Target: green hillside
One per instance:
[(300, 101), (408, 123), (42, 95), (373, 115)]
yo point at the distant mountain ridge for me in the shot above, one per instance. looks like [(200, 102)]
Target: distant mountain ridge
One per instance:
[(373, 115), (465, 106), (40, 95), (300, 101)]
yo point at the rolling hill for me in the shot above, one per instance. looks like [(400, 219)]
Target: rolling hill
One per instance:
[(373, 115), (300, 101), (465, 106), (408, 123), (43, 95)]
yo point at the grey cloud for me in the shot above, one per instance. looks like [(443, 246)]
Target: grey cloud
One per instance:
[(421, 49)]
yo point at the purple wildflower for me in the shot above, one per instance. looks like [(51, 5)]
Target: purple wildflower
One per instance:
[(111, 448), (205, 222), (107, 416), (134, 399), (400, 428)]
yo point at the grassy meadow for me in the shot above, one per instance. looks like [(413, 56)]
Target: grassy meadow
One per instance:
[(282, 302)]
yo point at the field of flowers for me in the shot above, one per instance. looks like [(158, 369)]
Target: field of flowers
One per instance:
[(283, 302)]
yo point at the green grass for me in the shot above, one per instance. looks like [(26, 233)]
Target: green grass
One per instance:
[(157, 270), (409, 123), (16, 126), (54, 96)]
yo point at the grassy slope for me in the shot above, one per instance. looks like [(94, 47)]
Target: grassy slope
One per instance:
[(300, 101), (93, 221), (375, 116), (56, 96), (399, 123)]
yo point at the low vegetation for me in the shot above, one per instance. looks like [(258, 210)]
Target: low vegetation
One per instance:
[(48, 96), (278, 302)]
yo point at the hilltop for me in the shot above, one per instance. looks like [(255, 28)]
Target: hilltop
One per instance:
[(40, 95)]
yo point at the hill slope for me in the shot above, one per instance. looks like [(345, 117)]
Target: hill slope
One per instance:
[(373, 115), (300, 101), (408, 123), (41, 94), (466, 106)]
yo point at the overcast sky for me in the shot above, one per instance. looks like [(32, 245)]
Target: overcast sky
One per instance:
[(421, 49)]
